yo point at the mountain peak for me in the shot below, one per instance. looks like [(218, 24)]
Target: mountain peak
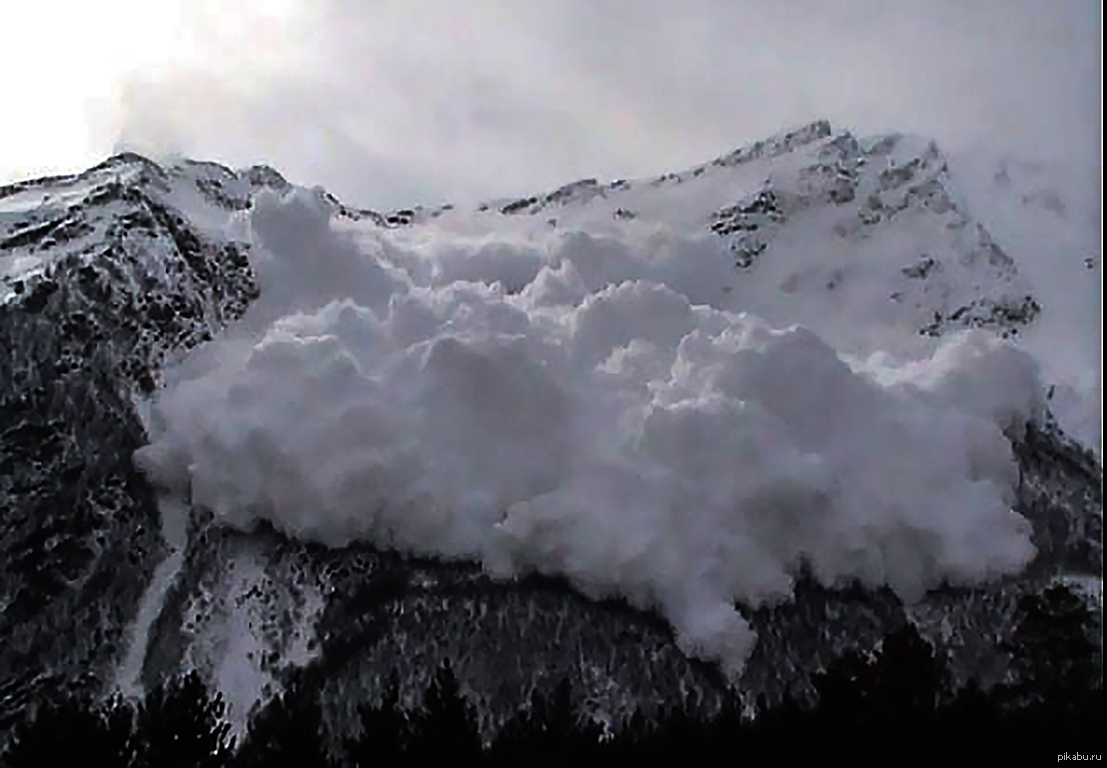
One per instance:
[(777, 144), (563, 384)]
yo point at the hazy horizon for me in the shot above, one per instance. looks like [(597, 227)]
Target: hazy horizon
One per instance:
[(391, 103)]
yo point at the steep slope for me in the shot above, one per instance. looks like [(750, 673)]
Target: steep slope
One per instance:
[(819, 229), (107, 278), (1049, 216), (102, 279)]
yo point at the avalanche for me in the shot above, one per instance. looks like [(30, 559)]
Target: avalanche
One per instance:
[(600, 398)]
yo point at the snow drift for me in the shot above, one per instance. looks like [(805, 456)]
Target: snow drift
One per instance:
[(565, 405)]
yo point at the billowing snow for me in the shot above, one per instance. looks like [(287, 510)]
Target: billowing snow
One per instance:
[(590, 398)]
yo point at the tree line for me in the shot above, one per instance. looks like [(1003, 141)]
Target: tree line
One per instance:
[(894, 706)]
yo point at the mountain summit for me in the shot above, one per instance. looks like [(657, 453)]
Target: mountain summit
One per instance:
[(657, 435)]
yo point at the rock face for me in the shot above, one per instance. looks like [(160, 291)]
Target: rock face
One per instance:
[(108, 275), (104, 279)]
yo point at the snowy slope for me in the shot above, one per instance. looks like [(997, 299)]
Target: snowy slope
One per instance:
[(861, 238), (868, 240), (1049, 218), (601, 384)]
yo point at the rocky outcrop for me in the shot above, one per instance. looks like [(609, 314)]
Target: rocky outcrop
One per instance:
[(108, 275)]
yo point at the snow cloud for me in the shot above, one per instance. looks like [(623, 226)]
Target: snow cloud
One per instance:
[(397, 102), (522, 402)]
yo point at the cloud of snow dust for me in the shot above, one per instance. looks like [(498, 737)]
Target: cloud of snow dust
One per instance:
[(398, 102), (512, 402)]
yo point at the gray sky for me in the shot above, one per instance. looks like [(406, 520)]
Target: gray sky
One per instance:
[(390, 103)]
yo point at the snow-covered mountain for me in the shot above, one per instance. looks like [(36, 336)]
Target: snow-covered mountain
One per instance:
[(651, 434)]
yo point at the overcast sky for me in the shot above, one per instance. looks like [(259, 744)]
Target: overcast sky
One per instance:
[(427, 101)]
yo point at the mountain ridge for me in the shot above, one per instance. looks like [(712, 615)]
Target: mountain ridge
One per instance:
[(114, 273)]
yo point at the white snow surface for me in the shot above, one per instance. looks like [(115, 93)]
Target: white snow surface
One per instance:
[(605, 397), (1048, 216)]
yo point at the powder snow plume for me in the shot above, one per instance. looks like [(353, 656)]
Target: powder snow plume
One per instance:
[(537, 406)]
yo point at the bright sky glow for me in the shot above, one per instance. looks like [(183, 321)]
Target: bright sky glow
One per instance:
[(389, 103)]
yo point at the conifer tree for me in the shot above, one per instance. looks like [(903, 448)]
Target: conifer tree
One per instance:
[(70, 731), (180, 725), (446, 730), (384, 731), (1053, 656), (287, 732)]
